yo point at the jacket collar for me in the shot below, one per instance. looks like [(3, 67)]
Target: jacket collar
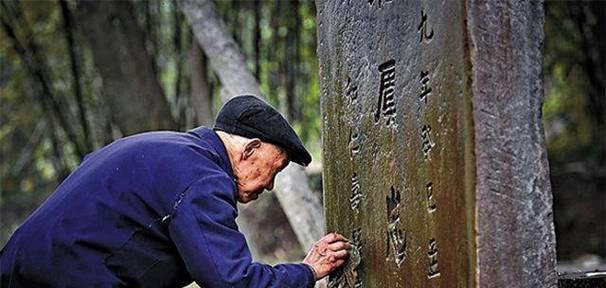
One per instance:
[(211, 138)]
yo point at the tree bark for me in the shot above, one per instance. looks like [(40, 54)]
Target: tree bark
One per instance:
[(150, 33), (303, 209), (200, 89), (26, 156), (134, 94), (179, 100), (288, 67), (257, 38), (29, 52), (74, 55), (220, 48)]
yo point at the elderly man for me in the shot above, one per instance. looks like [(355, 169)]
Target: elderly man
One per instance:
[(158, 210)]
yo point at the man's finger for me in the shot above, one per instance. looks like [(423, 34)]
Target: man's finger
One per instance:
[(329, 237), (339, 245), (340, 254), (338, 263), (332, 237)]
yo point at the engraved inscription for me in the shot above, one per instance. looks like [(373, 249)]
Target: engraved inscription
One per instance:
[(393, 205), (432, 258), (356, 238), (424, 29), (425, 88), (351, 90), (427, 143), (431, 202), (386, 103), (378, 2), (347, 276), (356, 193), (354, 140), (396, 237)]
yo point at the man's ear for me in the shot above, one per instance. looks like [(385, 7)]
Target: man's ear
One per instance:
[(250, 148)]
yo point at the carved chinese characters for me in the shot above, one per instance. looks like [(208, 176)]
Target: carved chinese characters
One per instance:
[(386, 106), (391, 141), (430, 128), (396, 237), (378, 3), (431, 202), (356, 194), (432, 259), (425, 88), (424, 29), (427, 144)]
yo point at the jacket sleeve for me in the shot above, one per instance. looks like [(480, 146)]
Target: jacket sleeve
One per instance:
[(215, 253)]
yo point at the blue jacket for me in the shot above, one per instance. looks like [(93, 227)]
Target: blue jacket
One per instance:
[(156, 209)]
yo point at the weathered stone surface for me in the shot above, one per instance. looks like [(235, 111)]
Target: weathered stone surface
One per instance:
[(347, 275), (434, 159), (516, 240)]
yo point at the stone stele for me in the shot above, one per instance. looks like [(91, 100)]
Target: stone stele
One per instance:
[(433, 154)]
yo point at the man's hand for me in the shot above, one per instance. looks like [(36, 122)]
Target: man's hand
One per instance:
[(328, 254)]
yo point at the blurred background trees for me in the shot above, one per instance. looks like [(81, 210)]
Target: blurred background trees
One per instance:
[(574, 113), (76, 75)]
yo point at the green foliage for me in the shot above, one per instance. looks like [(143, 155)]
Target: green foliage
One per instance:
[(573, 111), (564, 112), (276, 22), (574, 116), (36, 153)]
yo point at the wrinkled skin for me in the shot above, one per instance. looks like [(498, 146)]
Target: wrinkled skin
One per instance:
[(256, 169), (255, 164), (328, 254)]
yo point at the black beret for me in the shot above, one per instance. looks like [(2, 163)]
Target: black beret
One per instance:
[(250, 117)]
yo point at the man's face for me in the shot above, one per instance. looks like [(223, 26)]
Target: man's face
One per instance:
[(258, 168)]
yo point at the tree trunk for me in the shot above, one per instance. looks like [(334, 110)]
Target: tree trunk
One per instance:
[(30, 53), (134, 94), (200, 89), (150, 33), (257, 38), (302, 208), (177, 42), (289, 68), (74, 55), (220, 48), (27, 155)]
